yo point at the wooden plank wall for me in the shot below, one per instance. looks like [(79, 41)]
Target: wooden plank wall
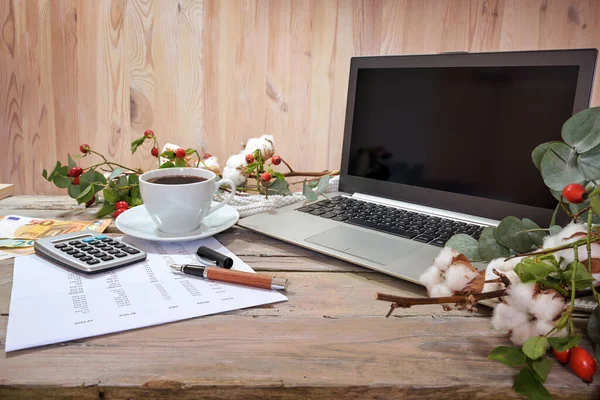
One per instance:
[(214, 73)]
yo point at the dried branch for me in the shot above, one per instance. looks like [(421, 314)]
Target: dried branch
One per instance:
[(407, 302)]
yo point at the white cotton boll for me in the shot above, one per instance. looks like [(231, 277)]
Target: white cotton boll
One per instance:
[(543, 327), (264, 144), (458, 275), (506, 317), (444, 259), (547, 306), (513, 277), (236, 161), (431, 277), (440, 290), (235, 175), (212, 164), (521, 333), (520, 296), (596, 277)]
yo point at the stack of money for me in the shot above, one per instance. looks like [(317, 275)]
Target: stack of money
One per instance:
[(18, 234)]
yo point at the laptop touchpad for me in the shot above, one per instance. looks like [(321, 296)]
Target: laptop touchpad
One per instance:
[(369, 246)]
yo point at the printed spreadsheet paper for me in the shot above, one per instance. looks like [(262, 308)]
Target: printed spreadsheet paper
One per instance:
[(51, 304)]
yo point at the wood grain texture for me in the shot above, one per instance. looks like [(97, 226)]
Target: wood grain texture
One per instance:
[(211, 74)]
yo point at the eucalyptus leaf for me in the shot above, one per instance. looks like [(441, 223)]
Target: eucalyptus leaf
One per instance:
[(489, 248), (541, 367), (535, 347), (555, 229), (122, 182), (116, 172), (279, 187), (323, 184), (71, 162), (560, 167), (578, 272), (511, 233), (509, 355), (538, 153), (527, 384), (595, 204), (84, 194), (562, 344), (466, 245), (135, 192), (92, 176), (62, 181), (54, 171), (136, 201), (582, 130), (308, 192), (538, 235), (589, 162)]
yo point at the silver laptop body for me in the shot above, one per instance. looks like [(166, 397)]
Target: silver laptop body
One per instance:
[(394, 109)]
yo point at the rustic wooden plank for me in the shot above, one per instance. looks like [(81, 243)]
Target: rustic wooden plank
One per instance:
[(447, 354)]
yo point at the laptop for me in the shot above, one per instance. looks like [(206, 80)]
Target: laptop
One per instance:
[(436, 145)]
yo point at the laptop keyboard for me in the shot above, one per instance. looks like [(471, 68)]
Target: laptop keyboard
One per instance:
[(408, 224)]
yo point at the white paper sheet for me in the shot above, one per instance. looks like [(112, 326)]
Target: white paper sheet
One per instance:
[(51, 304)]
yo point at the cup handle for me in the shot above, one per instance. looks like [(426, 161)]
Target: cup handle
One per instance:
[(229, 183)]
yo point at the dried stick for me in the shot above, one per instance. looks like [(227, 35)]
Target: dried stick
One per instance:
[(407, 302)]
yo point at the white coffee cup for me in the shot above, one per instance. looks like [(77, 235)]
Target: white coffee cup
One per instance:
[(180, 208)]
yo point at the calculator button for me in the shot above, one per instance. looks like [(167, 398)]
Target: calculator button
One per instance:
[(60, 245), (73, 242), (86, 248), (107, 240), (87, 240), (72, 251), (120, 255), (79, 255), (92, 262), (101, 245), (100, 237), (107, 258), (94, 251), (100, 255), (94, 242), (130, 250), (66, 249), (86, 258), (80, 245), (113, 251), (119, 245)]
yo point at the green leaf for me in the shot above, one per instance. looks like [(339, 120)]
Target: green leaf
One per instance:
[(593, 325), (84, 194), (511, 233), (323, 184), (279, 176), (535, 347), (279, 187), (135, 192), (136, 201), (133, 179), (489, 248), (167, 164), (538, 153), (308, 192), (72, 163), (45, 174), (122, 182), (582, 130), (509, 355), (180, 163), (54, 171), (137, 143), (63, 171), (527, 384), (555, 229), (595, 204), (554, 214), (170, 154), (533, 269), (583, 279), (562, 344), (466, 245), (560, 166), (107, 209), (74, 190), (189, 152), (92, 176), (116, 172), (537, 236), (541, 367), (110, 196), (62, 181)]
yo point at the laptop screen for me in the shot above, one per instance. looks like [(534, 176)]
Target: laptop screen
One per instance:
[(467, 130)]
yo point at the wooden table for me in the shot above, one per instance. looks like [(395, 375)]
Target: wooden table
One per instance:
[(330, 340)]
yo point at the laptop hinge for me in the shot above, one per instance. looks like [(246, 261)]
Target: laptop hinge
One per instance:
[(427, 210)]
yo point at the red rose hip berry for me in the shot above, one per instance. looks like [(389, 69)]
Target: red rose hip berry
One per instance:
[(265, 177), (574, 193), (276, 160), (583, 364), (84, 148), (75, 171), (122, 204), (206, 156), (76, 180), (90, 202), (149, 134), (249, 158), (180, 153), (154, 151), (562, 356), (118, 212)]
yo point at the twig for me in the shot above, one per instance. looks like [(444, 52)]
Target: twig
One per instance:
[(578, 243), (407, 302), (584, 209), (287, 165), (296, 174)]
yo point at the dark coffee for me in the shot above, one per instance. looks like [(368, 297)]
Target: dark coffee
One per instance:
[(176, 180)]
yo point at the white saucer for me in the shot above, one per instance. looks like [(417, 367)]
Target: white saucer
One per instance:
[(136, 222)]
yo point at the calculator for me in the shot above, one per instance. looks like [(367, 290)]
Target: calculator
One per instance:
[(88, 251)]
